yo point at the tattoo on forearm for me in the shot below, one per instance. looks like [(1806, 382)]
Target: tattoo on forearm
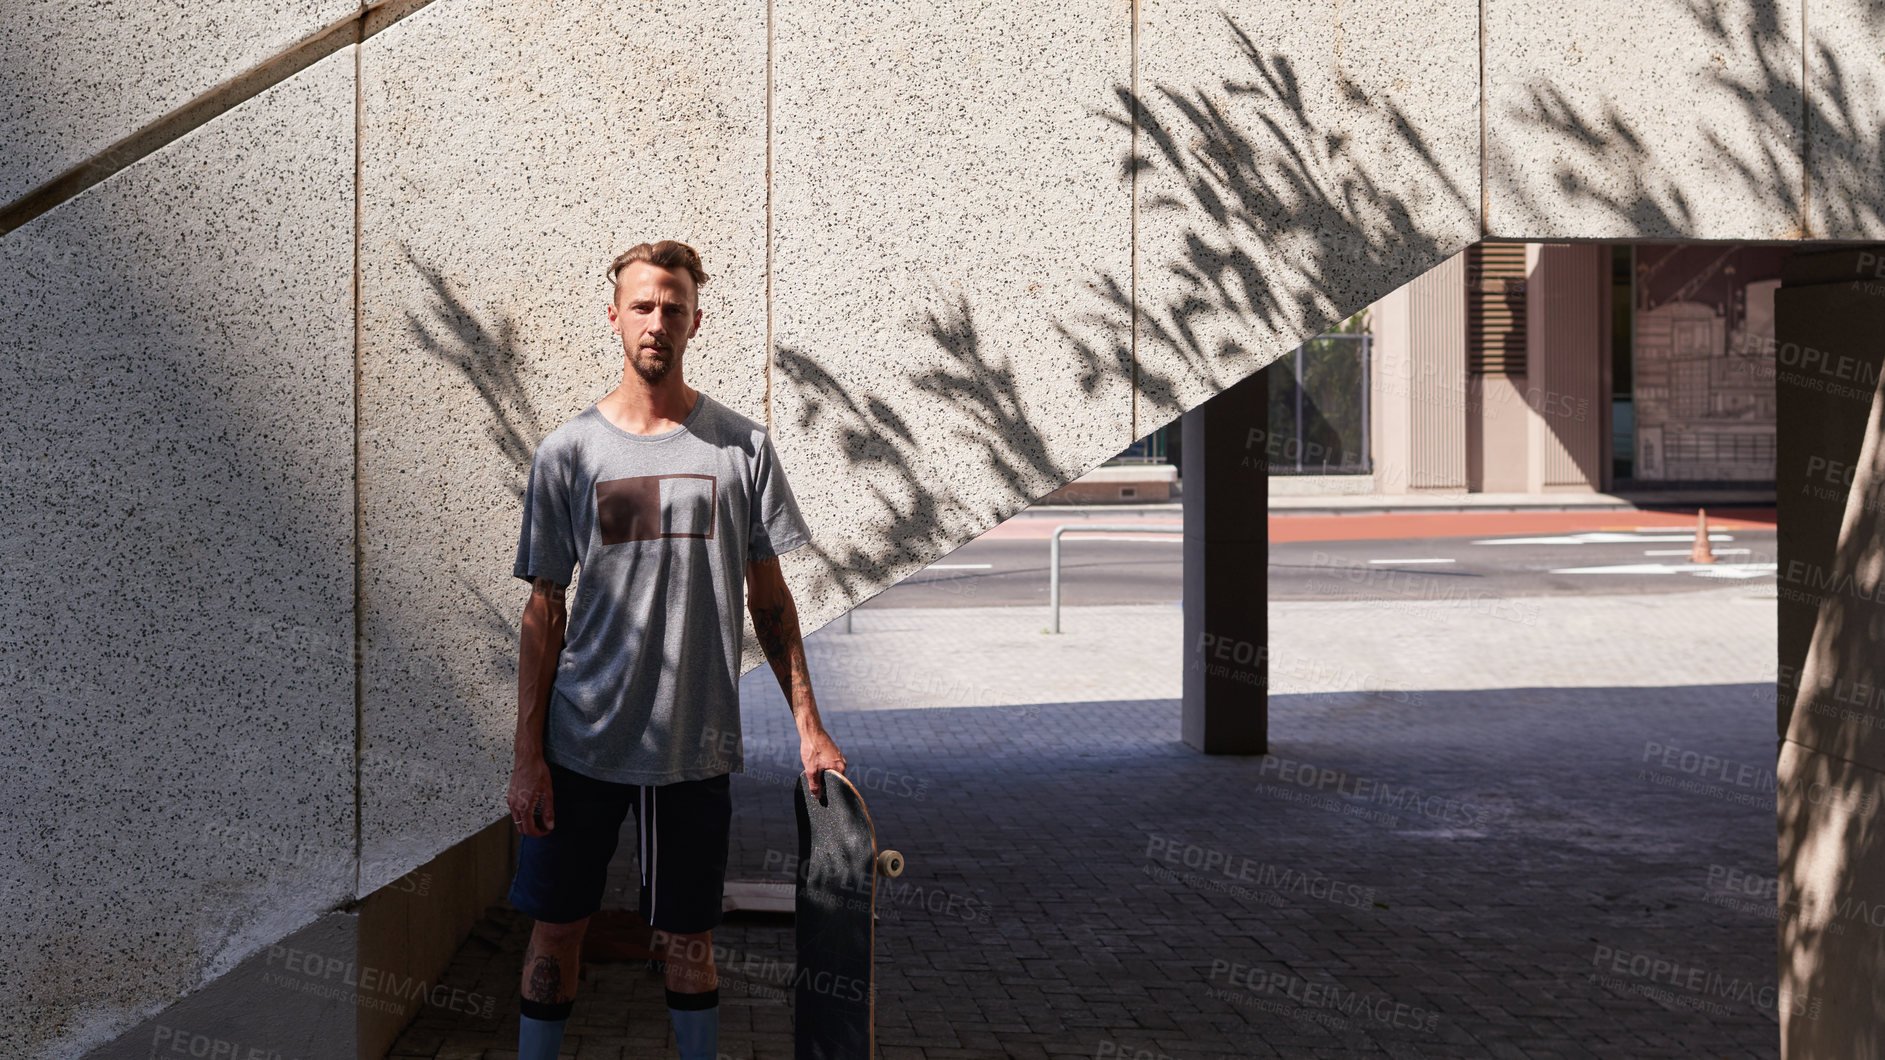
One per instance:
[(777, 628), (769, 624)]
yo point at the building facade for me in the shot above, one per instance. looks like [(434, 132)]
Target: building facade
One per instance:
[(1551, 368)]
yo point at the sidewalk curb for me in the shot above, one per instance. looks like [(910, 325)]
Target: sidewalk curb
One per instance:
[(1379, 504)]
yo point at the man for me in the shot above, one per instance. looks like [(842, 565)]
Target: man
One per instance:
[(663, 497)]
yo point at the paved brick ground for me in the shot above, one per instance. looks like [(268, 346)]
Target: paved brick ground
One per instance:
[(1417, 869)]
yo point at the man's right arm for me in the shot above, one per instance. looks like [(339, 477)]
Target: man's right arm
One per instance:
[(545, 619)]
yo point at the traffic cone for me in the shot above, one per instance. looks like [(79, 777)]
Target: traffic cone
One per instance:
[(1701, 553)]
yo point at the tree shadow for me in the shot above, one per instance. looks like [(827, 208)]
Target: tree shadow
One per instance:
[(488, 357)]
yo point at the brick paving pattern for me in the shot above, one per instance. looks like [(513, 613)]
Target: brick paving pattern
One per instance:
[(1415, 870)]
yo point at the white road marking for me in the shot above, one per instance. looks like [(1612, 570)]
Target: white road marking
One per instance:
[(1684, 551), (1385, 561), (1700, 570), (1600, 537)]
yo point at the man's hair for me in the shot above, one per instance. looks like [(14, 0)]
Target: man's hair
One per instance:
[(667, 254)]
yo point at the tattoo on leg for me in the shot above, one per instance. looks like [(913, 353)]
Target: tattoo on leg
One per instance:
[(546, 980)]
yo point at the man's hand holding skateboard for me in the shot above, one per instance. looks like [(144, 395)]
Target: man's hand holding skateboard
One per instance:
[(818, 753)]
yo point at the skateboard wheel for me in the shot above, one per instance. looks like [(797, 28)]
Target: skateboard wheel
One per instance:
[(890, 863)]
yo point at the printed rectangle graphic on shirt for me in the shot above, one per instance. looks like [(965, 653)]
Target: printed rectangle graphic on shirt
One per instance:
[(649, 507)]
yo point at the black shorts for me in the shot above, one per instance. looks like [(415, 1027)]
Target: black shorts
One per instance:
[(681, 835)]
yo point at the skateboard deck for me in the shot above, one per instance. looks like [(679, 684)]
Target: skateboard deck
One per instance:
[(834, 997)]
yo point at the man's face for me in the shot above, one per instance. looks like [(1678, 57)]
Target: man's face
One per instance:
[(654, 313)]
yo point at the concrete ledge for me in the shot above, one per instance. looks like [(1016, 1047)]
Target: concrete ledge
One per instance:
[(260, 1008), (1362, 504), (1117, 483), (1319, 485), (346, 985), (410, 928), (1375, 503)]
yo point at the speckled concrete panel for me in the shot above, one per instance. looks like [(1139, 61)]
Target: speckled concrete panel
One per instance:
[(177, 648), (948, 216), (1846, 122), (1300, 161), (1654, 119), (74, 78), (510, 151)]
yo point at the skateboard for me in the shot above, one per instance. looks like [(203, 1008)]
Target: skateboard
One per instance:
[(833, 996)]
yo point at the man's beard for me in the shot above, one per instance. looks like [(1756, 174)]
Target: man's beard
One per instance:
[(651, 367)]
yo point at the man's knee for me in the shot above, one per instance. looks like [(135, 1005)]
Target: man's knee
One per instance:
[(559, 936)]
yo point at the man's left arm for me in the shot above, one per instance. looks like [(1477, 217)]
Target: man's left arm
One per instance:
[(776, 620)]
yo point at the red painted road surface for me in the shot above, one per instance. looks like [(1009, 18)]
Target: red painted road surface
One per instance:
[(1407, 525)]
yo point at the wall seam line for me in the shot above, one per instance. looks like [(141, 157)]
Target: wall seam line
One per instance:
[(1485, 195), (1132, 340), (204, 108), (769, 235), (359, 508), (1806, 128)]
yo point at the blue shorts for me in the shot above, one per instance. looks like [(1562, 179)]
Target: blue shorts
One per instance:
[(681, 842)]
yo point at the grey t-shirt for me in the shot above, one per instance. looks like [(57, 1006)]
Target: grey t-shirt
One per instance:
[(662, 525)]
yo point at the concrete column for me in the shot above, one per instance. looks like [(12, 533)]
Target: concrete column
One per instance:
[(1226, 488), (1564, 366), (1830, 778)]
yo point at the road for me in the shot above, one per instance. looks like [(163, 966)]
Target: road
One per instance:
[(1550, 554)]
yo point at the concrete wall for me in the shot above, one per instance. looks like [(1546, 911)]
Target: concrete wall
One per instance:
[(177, 376), (962, 254), (77, 78), (1297, 161), (946, 207), (1651, 119)]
